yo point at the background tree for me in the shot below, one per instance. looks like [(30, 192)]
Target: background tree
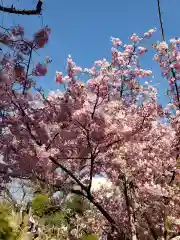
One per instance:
[(111, 126)]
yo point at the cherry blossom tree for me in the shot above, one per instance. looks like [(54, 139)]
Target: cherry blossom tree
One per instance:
[(111, 126), (16, 69)]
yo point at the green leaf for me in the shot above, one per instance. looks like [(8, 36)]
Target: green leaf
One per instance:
[(39, 204), (56, 219), (77, 204), (6, 231)]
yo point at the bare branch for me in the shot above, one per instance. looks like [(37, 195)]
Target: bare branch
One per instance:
[(96, 103), (49, 145), (103, 212), (68, 172), (128, 204), (13, 10)]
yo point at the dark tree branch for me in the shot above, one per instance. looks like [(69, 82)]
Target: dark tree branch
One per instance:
[(103, 212), (49, 145), (151, 227), (95, 105), (160, 19), (127, 200), (68, 172), (176, 87), (13, 10), (29, 61), (94, 154)]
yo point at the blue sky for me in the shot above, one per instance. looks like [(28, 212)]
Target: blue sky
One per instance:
[(83, 29)]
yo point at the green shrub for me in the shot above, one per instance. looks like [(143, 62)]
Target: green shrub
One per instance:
[(56, 219), (90, 237), (6, 231), (40, 203)]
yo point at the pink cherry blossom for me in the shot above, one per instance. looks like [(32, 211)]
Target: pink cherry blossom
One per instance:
[(149, 33), (142, 50), (40, 70), (134, 38), (41, 38), (59, 77), (116, 42)]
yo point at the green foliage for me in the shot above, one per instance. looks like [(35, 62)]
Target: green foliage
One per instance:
[(4, 209), (89, 237), (56, 219), (6, 231), (11, 227), (77, 204), (40, 203)]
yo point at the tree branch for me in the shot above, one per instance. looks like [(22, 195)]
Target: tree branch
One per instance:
[(29, 61), (88, 195), (128, 206), (160, 20), (95, 105), (13, 175), (121, 140), (68, 172), (103, 212), (13, 10), (151, 227), (91, 173)]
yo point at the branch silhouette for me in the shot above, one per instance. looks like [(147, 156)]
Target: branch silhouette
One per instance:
[(14, 10)]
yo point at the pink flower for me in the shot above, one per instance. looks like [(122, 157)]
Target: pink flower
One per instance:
[(19, 71), (134, 38), (77, 69), (41, 38), (91, 71), (40, 70), (114, 54), (59, 77), (162, 46), (41, 152), (18, 30), (176, 66), (116, 42), (142, 50), (128, 48), (149, 33), (156, 58)]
